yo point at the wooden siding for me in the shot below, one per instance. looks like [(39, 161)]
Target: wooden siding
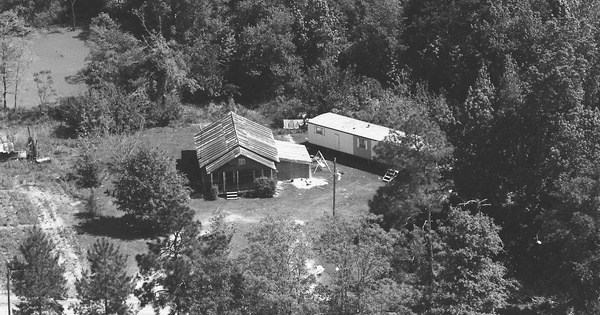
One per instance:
[(236, 175), (289, 170)]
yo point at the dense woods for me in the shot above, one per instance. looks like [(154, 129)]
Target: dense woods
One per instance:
[(499, 101)]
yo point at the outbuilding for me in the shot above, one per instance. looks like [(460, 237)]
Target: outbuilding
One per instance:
[(345, 134), (294, 161)]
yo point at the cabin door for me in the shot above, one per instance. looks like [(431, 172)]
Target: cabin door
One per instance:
[(336, 141)]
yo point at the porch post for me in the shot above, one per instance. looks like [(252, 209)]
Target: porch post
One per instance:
[(253, 176), (237, 175), (271, 173), (224, 189), (262, 173), (211, 179)]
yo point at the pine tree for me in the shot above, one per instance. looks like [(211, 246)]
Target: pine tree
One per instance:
[(105, 287), (38, 277)]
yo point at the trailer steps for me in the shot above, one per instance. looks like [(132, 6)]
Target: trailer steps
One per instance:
[(389, 175)]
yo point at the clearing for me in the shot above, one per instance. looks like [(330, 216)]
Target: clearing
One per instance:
[(40, 194), (61, 51)]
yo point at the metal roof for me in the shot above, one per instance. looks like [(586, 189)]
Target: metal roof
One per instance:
[(351, 126), (236, 152), (292, 152), (231, 136)]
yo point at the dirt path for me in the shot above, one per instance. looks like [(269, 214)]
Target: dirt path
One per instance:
[(51, 222)]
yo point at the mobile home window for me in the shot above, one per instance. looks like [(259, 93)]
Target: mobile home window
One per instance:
[(361, 143), (319, 130)]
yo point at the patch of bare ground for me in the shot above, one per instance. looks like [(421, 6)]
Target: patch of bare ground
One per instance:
[(50, 205)]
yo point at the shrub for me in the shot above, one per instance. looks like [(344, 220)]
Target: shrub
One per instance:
[(111, 110), (88, 171), (92, 208), (149, 188), (211, 193), (265, 187)]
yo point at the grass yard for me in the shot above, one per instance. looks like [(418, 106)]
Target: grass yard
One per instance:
[(352, 192)]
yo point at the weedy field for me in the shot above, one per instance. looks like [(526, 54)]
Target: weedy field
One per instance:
[(61, 51)]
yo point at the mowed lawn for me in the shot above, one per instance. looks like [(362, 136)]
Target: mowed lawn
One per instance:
[(303, 205), (61, 51)]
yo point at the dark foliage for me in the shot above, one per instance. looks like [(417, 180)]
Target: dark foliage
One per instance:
[(211, 193), (88, 171), (265, 187), (105, 287), (37, 276), (150, 189)]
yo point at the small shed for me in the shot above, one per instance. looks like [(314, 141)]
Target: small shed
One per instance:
[(345, 134), (294, 161)]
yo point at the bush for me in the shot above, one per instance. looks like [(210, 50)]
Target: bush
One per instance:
[(92, 208), (265, 187), (211, 193), (88, 171), (111, 110), (149, 188)]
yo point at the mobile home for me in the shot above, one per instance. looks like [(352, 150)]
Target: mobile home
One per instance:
[(345, 134)]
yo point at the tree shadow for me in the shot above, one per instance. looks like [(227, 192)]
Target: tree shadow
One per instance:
[(124, 227), (63, 132), (74, 79), (84, 35), (365, 165)]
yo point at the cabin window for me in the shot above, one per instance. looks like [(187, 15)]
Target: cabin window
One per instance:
[(361, 143), (241, 161), (319, 130)]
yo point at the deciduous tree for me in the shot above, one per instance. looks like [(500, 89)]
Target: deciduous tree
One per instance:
[(14, 52), (276, 278), (469, 279), (190, 272), (360, 254), (149, 188)]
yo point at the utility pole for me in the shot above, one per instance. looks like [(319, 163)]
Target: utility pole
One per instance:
[(8, 286), (334, 178)]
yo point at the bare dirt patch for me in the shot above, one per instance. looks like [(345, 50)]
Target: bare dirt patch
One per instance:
[(307, 183), (49, 220)]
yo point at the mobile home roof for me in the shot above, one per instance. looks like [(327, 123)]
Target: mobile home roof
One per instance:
[(351, 126)]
